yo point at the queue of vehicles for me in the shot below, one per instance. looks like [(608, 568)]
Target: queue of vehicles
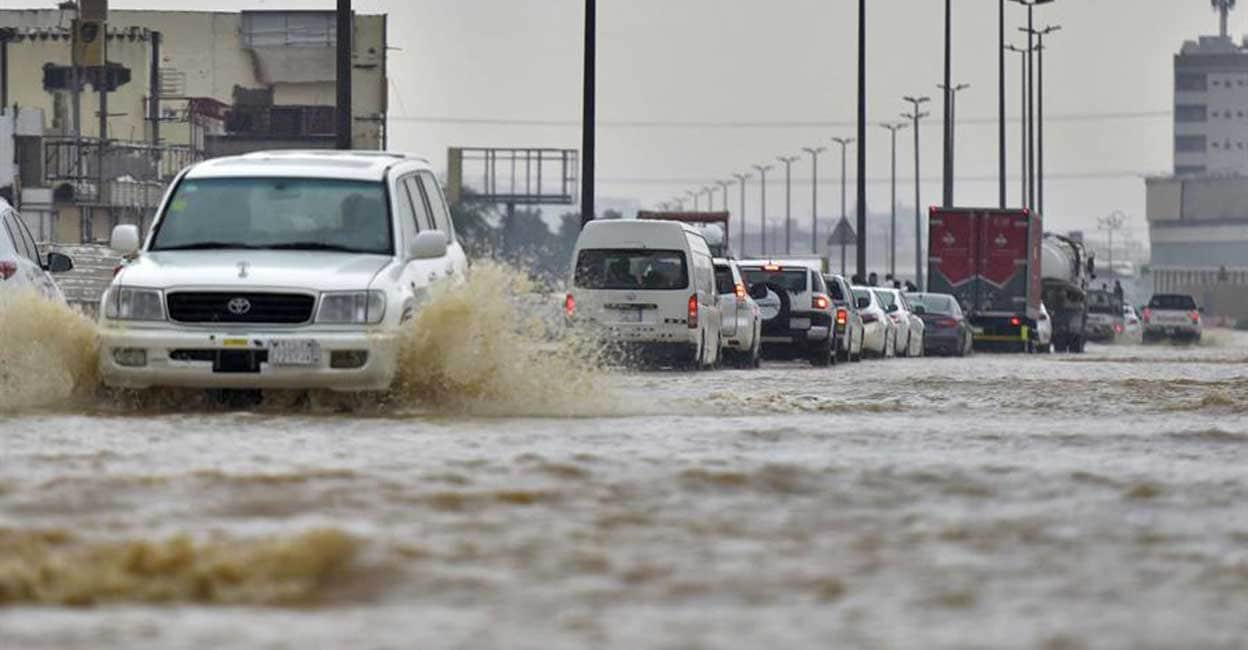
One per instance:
[(298, 269)]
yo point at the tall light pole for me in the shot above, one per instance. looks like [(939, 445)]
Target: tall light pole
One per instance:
[(710, 197), (724, 185), (742, 178), (844, 142), (1022, 122), (342, 111), (762, 217), (788, 161), (862, 138), (693, 195), (893, 128), (814, 196), (952, 94), (1001, 103), (1031, 129), (588, 119), (947, 183), (915, 116), (1040, 114)]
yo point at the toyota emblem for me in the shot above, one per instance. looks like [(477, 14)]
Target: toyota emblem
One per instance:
[(239, 306)]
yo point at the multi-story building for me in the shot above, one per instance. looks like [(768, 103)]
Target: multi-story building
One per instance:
[(1211, 107), (183, 86)]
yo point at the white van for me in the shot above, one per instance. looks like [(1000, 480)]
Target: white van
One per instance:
[(649, 286)]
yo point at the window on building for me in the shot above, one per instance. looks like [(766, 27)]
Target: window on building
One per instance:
[(1189, 143), (1190, 82), (1189, 170), (289, 29), (1190, 113)]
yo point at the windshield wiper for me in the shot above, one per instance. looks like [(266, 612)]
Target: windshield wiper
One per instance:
[(207, 246), (316, 246)]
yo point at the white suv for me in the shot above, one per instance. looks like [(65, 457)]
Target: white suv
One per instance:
[(278, 270)]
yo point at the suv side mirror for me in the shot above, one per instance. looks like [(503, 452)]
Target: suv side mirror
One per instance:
[(430, 244), (863, 303), (125, 240), (59, 263), (758, 291)]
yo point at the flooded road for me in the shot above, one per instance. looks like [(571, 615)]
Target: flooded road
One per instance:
[(1050, 502)]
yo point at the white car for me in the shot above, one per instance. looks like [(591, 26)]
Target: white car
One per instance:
[(22, 266), (282, 270), (879, 333), (909, 326), (1175, 317), (1044, 331), (648, 288), (742, 322)]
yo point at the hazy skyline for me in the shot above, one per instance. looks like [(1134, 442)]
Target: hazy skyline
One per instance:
[(694, 90)]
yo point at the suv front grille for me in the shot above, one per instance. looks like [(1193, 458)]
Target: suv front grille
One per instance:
[(241, 307)]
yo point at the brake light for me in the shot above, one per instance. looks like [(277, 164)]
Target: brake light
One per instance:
[(740, 291), (1016, 321), (947, 322), (820, 302), (1118, 328), (771, 267), (1148, 315), (842, 317), (1195, 317), (569, 306), (693, 311), (7, 269)]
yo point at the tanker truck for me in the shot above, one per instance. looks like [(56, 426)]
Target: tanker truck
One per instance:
[(1067, 269)]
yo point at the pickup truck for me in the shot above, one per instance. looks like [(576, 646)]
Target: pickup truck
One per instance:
[(1174, 317)]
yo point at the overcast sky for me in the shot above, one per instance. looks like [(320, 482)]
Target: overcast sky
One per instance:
[(787, 68)]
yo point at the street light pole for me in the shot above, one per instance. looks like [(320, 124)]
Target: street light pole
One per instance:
[(893, 128), (788, 161), (693, 195), (710, 197), (844, 142), (1022, 122), (588, 119), (1031, 110), (1001, 104), (1040, 114), (762, 173), (915, 116), (947, 183), (724, 185), (814, 196), (1111, 223), (742, 178), (862, 138), (951, 154)]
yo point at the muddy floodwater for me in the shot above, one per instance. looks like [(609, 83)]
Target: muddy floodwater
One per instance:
[(1049, 502)]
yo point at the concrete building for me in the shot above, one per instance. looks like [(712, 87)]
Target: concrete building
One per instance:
[(1211, 107), (188, 85)]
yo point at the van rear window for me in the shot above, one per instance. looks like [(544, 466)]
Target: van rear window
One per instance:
[(631, 269), (793, 281)]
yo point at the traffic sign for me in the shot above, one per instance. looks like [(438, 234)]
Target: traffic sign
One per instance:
[(843, 235)]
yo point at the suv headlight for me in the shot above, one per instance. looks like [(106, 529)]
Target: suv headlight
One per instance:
[(125, 303), (352, 308)]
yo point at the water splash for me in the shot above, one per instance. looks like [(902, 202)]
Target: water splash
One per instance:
[(47, 353)]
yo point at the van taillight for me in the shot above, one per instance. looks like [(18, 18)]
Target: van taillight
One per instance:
[(740, 291), (693, 311), (7, 269), (569, 306)]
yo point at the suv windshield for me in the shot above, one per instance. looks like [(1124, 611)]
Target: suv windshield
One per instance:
[(1104, 302), (793, 281), (1172, 303), (277, 213), (631, 269)]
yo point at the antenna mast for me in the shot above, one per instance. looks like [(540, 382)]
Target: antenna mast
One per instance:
[(1223, 7)]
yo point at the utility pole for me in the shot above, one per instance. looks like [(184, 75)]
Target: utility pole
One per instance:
[(742, 178), (788, 161), (893, 128), (814, 196), (947, 183), (762, 172), (862, 138), (1022, 122), (950, 155), (588, 118), (343, 108), (915, 116)]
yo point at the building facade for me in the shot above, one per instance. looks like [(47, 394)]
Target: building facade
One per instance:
[(183, 86), (1211, 107)]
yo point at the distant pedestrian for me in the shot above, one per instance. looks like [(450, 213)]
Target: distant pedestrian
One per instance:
[(873, 279), (1118, 292)]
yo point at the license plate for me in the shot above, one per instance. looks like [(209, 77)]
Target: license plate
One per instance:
[(629, 315), (298, 352), (799, 324)]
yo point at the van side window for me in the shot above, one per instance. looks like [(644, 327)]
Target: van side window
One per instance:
[(423, 219), (437, 205)]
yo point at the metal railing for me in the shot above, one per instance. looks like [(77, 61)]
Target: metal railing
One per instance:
[(134, 174)]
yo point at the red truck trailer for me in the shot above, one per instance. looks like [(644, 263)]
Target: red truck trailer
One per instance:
[(989, 259)]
